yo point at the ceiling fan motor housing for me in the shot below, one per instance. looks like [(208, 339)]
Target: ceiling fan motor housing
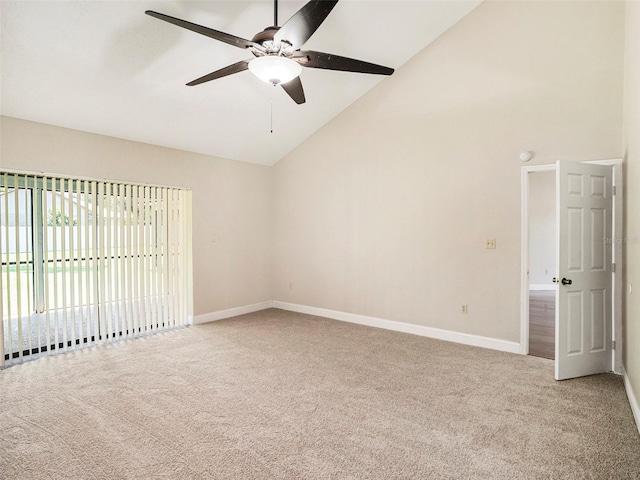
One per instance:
[(266, 35), (269, 46)]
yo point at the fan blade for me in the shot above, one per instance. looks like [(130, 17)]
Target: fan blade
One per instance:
[(294, 89), (312, 59), (209, 32), (299, 28), (223, 72)]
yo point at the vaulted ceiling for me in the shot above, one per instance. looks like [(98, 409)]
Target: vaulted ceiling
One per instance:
[(106, 67)]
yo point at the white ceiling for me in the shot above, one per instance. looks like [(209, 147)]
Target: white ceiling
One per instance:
[(106, 67)]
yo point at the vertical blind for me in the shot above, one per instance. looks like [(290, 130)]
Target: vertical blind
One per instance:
[(87, 261)]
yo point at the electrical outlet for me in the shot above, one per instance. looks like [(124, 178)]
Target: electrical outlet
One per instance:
[(490, 243), (465, 308)]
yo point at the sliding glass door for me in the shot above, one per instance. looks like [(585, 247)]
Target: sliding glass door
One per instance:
[(86, 261)]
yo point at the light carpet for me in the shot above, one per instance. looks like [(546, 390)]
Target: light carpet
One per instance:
[(281, 395)]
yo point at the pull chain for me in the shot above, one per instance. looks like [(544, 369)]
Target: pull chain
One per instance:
[(272, 111)]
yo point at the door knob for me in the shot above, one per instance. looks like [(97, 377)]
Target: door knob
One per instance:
[(566, 281)]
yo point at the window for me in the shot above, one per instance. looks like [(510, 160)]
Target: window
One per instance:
[(85, 261)]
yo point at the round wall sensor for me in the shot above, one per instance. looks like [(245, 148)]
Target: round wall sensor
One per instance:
[(526, 156)]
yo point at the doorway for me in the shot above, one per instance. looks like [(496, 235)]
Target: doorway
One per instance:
[(542, 263), (537, 282)]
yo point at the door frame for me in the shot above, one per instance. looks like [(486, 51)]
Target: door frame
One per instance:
[(617, 280)]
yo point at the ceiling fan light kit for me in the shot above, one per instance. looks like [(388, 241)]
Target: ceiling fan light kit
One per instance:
[(274, 69), (278, 58)]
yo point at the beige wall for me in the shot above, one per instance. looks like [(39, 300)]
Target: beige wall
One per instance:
[(632, 154), (231, 200), (385, 210)]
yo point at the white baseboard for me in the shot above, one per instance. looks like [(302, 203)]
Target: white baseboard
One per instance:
[(542, 286), (633, 401), (231, 312), (448, 335)]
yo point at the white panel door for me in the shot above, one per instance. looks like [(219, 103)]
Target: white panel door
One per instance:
[(583, 298)]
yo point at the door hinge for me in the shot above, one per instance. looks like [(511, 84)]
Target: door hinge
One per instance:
[(613, 267), (613, 189), (613, 344)]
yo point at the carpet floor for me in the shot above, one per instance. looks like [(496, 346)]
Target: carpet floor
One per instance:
[(280, 395)]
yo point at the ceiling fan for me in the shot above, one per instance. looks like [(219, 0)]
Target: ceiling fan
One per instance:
[(277, 56)]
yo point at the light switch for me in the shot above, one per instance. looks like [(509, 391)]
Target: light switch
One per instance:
[(490, 243)]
